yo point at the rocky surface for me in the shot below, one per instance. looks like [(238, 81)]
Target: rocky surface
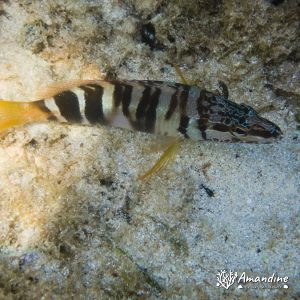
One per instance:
[(74, 219)]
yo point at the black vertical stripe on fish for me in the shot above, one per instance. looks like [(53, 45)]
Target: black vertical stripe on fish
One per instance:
[(93, 103), (172, 105), (203, 105), (126, 99), (221, 127), (117, 95), (68, 105), (183, 125), (202, 126), (143, 104), (183, 97), (150, 116), (204, 136)]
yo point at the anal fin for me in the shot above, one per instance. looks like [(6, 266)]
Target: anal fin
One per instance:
[(166, 158)]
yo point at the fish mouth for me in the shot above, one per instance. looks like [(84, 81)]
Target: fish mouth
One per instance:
[(255, 139), (259, 134), (264, 130), (278, 133)]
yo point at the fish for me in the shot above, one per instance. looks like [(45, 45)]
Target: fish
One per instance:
[(168, 109)]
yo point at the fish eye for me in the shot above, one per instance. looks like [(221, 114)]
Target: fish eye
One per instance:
[(251, 112)]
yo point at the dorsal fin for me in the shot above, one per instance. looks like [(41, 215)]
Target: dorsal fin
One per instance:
[(60, 87)]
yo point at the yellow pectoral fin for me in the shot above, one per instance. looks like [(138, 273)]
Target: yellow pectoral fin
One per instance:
[(159, 144), (166, 158), (180, 74)]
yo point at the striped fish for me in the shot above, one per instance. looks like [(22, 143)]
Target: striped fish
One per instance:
[(163, 108)]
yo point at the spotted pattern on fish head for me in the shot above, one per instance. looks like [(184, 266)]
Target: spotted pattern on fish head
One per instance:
[(223, 120)]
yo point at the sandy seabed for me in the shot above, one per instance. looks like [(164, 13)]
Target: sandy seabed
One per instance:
[(74, 219)]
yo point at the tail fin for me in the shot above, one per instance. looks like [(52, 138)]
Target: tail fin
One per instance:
[(18, 113)]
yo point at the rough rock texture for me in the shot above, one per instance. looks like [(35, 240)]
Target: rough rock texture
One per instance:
[(74, 220)]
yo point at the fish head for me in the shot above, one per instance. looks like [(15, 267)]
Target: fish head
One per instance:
[(252, 128), (220, 119)]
